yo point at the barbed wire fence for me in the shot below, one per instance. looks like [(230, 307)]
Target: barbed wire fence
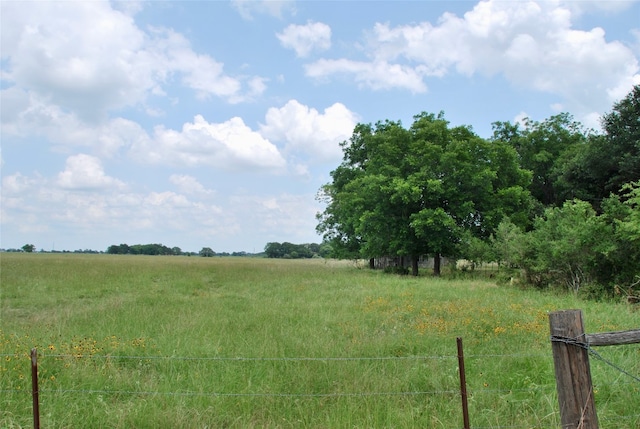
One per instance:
[(447, 362)]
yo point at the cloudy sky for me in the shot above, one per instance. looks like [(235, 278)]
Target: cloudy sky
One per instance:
[(213, 124)]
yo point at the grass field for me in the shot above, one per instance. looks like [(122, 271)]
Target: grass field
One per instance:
[(187, 342)]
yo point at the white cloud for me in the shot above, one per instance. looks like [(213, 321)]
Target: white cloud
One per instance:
[(229, 145), (172, 53), (79, 55), (306, 130), (532, 44), (306, 38), (85, 172), (89, 58)]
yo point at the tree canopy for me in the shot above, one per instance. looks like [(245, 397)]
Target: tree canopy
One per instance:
[(552, 199), (608, 161), (543, 148), (418, 191)]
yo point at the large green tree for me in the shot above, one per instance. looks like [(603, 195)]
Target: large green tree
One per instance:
[(544, 148), (609, 160), (418, 191)]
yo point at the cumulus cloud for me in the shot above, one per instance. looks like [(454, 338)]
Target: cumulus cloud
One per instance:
[(304, 39), (85, 172), (230, 145), (90, 58), (306, 130), (532, 44)]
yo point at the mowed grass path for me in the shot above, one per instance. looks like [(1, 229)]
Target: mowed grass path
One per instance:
[(186, 342)]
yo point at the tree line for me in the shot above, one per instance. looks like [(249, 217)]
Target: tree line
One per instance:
[(288, 250), (160, 249), (551, 198)]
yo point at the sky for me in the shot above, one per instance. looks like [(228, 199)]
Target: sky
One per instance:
[(214, 124)]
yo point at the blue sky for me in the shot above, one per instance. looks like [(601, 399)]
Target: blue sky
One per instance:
[(213, 124)]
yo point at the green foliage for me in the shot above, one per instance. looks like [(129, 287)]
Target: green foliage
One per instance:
[(418, 191), (509, 244), (574, 247), (621, 267), (140, 249), (622, 129), (479, 251), (591, 243), (543, 148), (294, 251), (29, 248), (609, 161), (567, 244), (207, 252)]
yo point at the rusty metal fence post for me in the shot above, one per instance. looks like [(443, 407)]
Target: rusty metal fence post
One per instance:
[(34, 388), (463, 385)]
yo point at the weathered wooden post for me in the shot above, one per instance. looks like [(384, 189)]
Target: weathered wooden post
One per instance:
[(573, 374)]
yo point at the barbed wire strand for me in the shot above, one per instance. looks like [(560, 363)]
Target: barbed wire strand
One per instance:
[(43, 354), (576, 341), (222, 394), (613, 365), (227, 358)]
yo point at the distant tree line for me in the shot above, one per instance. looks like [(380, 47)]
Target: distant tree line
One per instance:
[(30, 248), (552, 200), (143, 249), (296, 251), (160, 249)]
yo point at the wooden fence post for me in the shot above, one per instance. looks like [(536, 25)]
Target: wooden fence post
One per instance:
[(573, 374)]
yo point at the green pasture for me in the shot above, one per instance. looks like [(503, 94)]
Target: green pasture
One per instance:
[(190, 342)]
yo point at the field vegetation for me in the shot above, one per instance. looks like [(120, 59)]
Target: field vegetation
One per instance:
[(183, 342)]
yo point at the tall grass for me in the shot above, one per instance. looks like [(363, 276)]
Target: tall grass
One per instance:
[(183, 342)]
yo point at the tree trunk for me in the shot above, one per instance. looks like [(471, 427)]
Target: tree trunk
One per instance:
[(414, 265), (372, 263), (436, 264)]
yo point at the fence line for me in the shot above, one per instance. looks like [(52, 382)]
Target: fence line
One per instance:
[(250, 395), (216, 394), (238, 358), (42, 354)]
